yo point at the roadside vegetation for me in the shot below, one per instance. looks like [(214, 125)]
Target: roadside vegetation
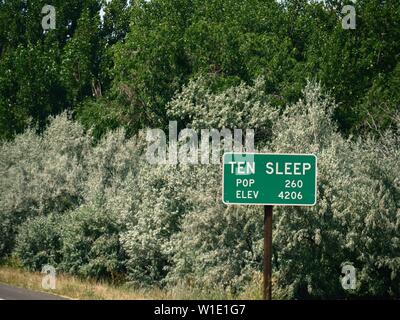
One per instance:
[(72, 287), (76, 192), (101, 211)]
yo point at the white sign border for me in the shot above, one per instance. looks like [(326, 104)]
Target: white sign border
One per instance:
[(270, 204)]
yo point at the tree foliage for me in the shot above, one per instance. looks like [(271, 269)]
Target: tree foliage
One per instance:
[(42, 73), (90, 245), (76, 190), (166, 226), (125, 68), (39, 243)]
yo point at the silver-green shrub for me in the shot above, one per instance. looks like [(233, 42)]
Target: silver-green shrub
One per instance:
[(243, 107), (90, 244), (166, 225), (356, 219), (38, 242), (41, 175), (160, 200)]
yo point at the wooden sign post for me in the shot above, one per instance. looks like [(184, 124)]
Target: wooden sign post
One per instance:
[(269, 179), (267, 252)]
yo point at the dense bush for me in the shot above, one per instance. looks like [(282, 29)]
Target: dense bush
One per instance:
[(90, 244), (38, 242), (239, 107), (84, 242), (214, 244), (160, 200), (165, 225), (356, 219), (41, 174), (179, 232), (218, 246)]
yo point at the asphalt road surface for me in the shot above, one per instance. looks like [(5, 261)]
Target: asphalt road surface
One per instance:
[(12, 293)]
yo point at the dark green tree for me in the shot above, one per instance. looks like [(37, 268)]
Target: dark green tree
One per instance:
[(37, 67)]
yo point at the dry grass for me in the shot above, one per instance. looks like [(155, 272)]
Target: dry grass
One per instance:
[(74, 288)]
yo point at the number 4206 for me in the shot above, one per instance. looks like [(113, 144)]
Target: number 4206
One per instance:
[(287, 195)]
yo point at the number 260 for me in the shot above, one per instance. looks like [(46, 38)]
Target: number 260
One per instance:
[(293, 183)]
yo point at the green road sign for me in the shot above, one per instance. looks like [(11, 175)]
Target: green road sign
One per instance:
[(269, 179)]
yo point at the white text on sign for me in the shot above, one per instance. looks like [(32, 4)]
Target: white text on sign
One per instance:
[(289, 168)]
